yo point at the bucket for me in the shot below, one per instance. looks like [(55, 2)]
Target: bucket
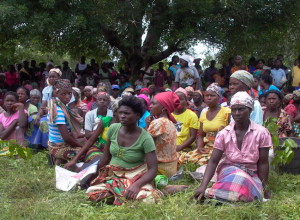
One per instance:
[(294, 166)]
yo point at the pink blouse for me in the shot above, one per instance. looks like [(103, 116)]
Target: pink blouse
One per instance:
[(256, 137)]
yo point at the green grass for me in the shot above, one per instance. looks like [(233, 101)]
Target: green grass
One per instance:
[(27, 191)]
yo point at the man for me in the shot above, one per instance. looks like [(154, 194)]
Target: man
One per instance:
[(67, 73), (242, 80), (115, 92), (198, 67), (280, 57), (278, 74), (81, 67), (209, 72), (238, 64), (25, 73)]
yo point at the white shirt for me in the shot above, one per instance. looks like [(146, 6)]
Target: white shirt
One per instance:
[(90, 119)]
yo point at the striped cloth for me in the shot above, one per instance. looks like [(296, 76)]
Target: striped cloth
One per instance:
[(54, 134), (236, 184)]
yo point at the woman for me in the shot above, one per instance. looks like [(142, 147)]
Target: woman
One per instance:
[(293, 110), (13, 122), (213, 120), (80, 104), (146, 104), (145, 91), (64, 125), (163, 131), (129, 163), (54, 74), (24, 96), (198, 102), (12, 78), (259, 68), (265, 83), (243, 174), (273, 109), (123, 83), (89, 99), (186, 76), (35, 97), (94, 147), (190, 93), (186, 123)]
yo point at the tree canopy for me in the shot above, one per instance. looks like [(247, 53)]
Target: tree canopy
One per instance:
[(145, 32)]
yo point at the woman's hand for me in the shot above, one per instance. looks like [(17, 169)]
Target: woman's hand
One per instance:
[(132, 191), (149, 119), (18, 106), (71, 165), (199, 193), (202, 150), (178, 148)]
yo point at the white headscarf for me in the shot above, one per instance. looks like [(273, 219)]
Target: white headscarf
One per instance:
[(242, 98)]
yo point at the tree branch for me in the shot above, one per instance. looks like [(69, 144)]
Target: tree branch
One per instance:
[(165, 53)]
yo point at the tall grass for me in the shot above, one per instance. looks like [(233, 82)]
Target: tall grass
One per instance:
[(27, 191)]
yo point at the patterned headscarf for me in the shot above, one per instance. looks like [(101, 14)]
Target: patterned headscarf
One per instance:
[(56, 70), (89, 87), (182, 90), (296, 94), (62, 84), (216, 89), (189, 89), (242, 98), (244, 76), (103, 93), (124, 94)]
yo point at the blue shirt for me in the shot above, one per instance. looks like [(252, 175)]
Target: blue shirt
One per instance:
[(54, 134), (142, 122), (277, 76), (174, 69)]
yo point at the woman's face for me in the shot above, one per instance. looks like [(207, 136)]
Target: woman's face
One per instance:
[(255, 84), (211, 99), (145, 92), (102, 101), (190, 95), (87, 92), (53, 76), (240, 113), (262, 84), (22, 95), (122, 79), (235, 86), (182, 99), (127, 116), (260, 65), (65, 95), (273, 101), (35, 99), (183, 63), (9, 101), (262, 101), (95, 92), (197, 97), (155, 107)]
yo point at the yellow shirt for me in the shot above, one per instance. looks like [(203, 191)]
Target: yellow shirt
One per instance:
[(219, 122), (296, 76), (185, 121)]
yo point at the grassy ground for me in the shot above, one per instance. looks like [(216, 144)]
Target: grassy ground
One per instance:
[(27, 191)]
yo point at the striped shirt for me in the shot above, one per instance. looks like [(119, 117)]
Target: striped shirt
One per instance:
[(54, 134)]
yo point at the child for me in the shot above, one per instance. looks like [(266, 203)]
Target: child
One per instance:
[(14, 121)]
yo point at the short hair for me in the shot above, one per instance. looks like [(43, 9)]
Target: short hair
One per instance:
[(12, 94), (273, 91), (26, 90), (261, 61), (134, 103), (267, 78), (261, 96)]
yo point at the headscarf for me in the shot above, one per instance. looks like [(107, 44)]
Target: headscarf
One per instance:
[(103, 93), (56, 70), (170, 102), (35, 92), (125, 94), (144, 89), (215, 88), (189, 89), (182, 90), (198, 91), (146, 98), (244, 76), (188, 59), (62, 84), (242, 98), (89, 87), (296, 94), (114, 105), (77, 91)]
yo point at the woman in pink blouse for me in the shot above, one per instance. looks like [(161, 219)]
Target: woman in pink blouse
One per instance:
[(243, 173)]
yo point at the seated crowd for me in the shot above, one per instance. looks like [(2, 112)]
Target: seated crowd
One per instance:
[(138, 129)]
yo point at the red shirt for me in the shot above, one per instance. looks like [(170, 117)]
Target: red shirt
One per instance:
[(11, 79)]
